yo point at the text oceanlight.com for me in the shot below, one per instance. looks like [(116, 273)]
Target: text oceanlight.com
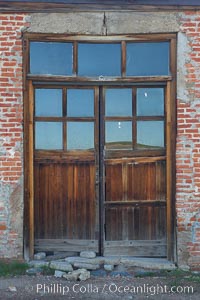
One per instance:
[(112, 288)]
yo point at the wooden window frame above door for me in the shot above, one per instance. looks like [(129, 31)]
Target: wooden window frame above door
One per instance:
[(29, 79)]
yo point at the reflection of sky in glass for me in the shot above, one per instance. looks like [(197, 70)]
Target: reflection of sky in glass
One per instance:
[(150, 101), (150, 133), (48, 102), (80, 135), (118, 102), (99, 59), (48, 135), (80, 103), (119, 134), (51, 58), (145, 59)]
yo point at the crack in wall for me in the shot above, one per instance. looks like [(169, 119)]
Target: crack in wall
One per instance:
[(104, 26)]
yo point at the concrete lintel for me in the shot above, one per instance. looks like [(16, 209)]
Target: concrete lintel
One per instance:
[(72, 23), (141, 22)]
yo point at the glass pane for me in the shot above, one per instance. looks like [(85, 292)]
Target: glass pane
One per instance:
[(48, 135), (80, 103), (145, 59), (99, 59), (150, 134), (118, 102), (80, 135), (150, 101), (51, 58), (118, 135), (48, 102)]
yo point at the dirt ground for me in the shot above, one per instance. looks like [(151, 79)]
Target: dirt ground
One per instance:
[(109, 288)]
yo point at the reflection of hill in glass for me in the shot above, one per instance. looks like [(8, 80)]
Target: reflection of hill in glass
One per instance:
[(128, 145), (119, 145)]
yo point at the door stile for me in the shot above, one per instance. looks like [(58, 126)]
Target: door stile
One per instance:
[(31, 169), (101, 170), (169, 170), (97, 166)]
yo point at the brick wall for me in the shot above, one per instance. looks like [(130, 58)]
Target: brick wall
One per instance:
[(11, 135), (188, 148), (188, 137)]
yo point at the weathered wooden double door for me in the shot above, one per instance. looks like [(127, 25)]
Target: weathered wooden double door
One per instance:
[(100, 169)]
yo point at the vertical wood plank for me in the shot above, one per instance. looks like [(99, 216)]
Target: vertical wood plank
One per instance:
[(31, 170), (64, 101), (134, 125), (123, 58), (168, 171), (75, 58), (173, 100)]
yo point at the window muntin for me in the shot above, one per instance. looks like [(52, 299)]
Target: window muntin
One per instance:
[(52, 58)]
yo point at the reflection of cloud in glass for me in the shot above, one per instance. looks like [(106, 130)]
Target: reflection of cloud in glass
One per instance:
[(146, 59), (118, 102), (48, 135), (80, 103), (150, 133), (150, 101), (51, 58), (48, 102), (80, 135), (96, 59)]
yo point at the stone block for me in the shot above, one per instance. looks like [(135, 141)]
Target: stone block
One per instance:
[(79, 23), (141, 22), (86, 266), (38, 263), (109, 260), (39, 256), (108, 267), (80, 274), (71, 276), (59, 274), (34, 271), (99, 260), (61, 265), (88, 254), (84, 275)]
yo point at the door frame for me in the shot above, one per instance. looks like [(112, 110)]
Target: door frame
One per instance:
[(170, 82)]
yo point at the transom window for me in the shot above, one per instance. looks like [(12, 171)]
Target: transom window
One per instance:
[(95, 59)]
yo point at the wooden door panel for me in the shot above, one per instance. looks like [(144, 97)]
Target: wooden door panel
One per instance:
[(65, 201), (135, 223), (135, 205), (146, 181)]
